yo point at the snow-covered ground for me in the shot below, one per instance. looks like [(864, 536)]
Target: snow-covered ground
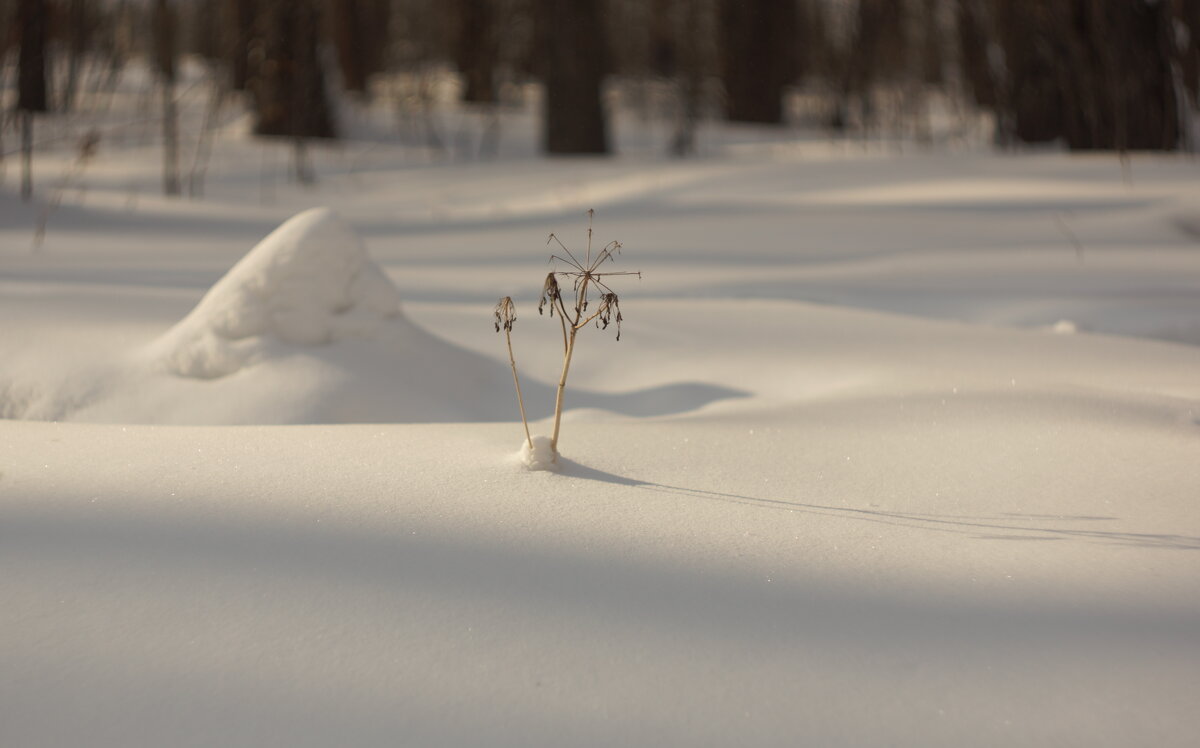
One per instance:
[(897, 448)]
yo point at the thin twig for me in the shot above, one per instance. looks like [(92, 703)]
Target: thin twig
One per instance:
[(1070, 235)]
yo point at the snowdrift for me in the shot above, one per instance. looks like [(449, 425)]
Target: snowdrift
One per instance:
[(309, 283), (307, 328)]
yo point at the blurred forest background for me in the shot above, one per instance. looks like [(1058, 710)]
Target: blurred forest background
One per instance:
[(1088, 74)]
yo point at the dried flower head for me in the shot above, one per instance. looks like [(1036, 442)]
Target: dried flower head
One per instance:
[(550, 294), (585, 277), (609, 304), (506, 314)]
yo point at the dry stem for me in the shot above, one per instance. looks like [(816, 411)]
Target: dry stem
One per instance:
[(517, 383), (506, 315), (583, 274)]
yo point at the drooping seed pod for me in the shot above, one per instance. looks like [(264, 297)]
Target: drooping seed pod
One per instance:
[(506, 314), (550, 294), (610, 310)]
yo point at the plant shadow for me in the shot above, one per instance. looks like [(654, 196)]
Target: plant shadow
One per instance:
[(1009, 526)]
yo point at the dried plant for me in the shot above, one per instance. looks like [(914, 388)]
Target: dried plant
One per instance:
[(585, 276), (506, 315), (592, 299)]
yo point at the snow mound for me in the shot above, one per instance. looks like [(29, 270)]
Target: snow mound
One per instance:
[(540, 457), (1065, 327), (309, 282), (306, 329)]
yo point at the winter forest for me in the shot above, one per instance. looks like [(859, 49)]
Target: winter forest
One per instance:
[(599, 372)]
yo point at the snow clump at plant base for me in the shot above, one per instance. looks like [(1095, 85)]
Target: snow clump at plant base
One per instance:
[(309, 282)]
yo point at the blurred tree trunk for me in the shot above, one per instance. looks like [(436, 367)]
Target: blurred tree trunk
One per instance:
[(690, 79), (758, 58), (360, 34), (1036, 69), (973, 24), (1095, 73), (1130, 100), (476, 49), (931, 42), (665, 38), (877, 52), (289, 83), (1188, 12), (239, 18), (575, 61), (289, 86), (78, 38), (32, 24), (164, 59), (201, 29)]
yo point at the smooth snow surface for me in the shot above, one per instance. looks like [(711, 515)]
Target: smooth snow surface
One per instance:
[(896, 449)]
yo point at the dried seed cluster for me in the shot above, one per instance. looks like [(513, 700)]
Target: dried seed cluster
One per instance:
[(506, 314), (550, 294)]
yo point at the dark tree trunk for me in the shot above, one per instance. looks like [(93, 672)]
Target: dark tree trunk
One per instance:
[(79, 27), (932, 43), (202, 30), (664, 41), (165, 52), (1123, 94), (877, 53), (1189, 16), (360, 33), (289, 86), (690, 81), (240, 21), (1036, 59), (758, 57), (574, 53), (1095, 73), (973, 27), (32, 25), (476, 49)]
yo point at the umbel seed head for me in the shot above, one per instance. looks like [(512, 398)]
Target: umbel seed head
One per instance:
[(506, 314)]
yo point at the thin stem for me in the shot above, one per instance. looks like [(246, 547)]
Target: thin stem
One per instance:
[(581, 298), (562, 317), (520, 400), (562, 386), (574, 260), (589, 244), (584, 323)]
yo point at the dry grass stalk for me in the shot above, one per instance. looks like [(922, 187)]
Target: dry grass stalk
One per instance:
[(591, 300), (506, 315), (585, 277)]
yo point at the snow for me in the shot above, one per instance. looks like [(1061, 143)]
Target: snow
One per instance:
[(897, 448), (309, 282), (538, 454)]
